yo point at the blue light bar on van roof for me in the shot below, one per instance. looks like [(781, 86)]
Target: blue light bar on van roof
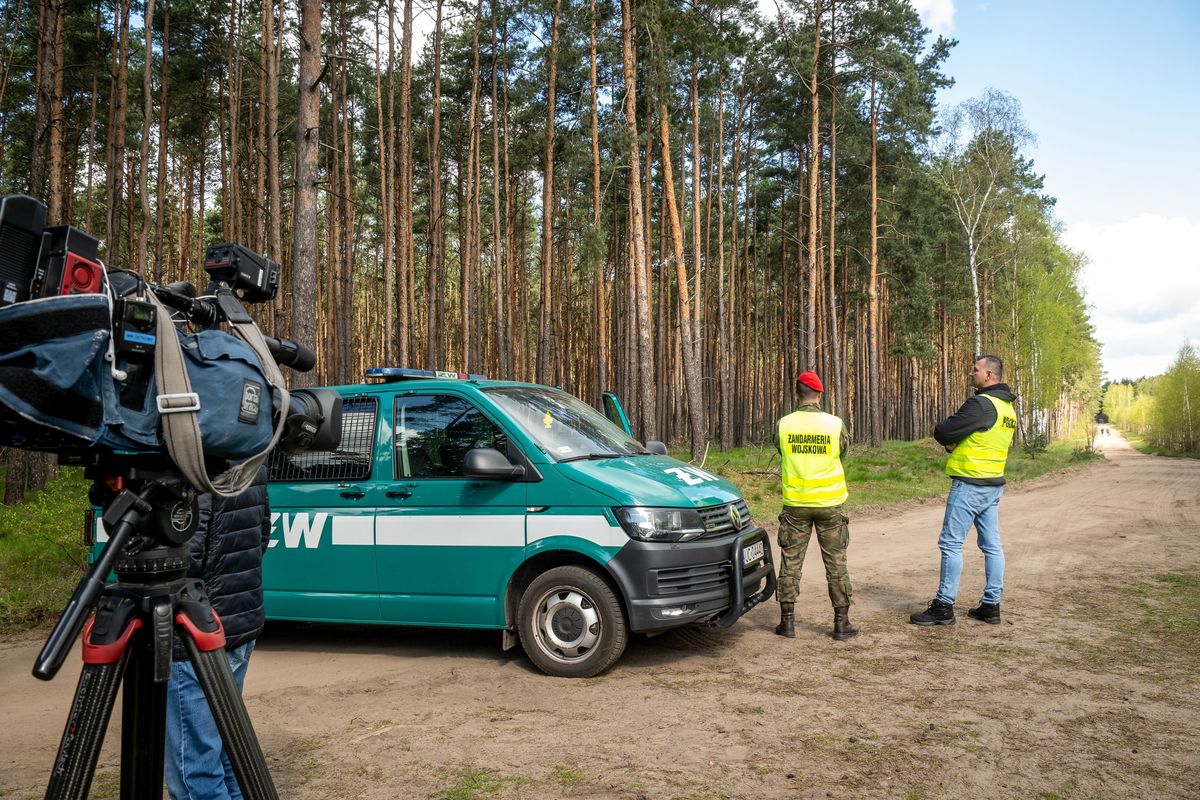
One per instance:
[(389, 374)]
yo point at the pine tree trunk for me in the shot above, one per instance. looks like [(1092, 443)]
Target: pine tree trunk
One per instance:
[(161, 177), (117, 103), (837, 366), (724, 390), (403, 200), (874, 412), (57, 197), (545, 294), (386, 168), (139, 256), (437, 235), (600, 298), (469, 254), (503, 336), (304, 204), (637, 235), (275, 168), (691, 371), (44, 99), (814, 208)]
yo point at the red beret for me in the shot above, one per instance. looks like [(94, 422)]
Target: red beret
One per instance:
[(811, 380)]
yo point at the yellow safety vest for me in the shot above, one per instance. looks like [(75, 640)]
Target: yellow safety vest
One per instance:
[(984, 453), (810, 442)]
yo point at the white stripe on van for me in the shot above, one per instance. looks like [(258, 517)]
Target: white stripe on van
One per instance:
[(354, 530), (595, 528), (452, 530)]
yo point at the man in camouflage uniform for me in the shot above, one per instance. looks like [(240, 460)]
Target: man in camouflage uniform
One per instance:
[(813, 445)]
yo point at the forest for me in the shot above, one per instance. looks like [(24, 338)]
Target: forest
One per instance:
[(685, 201), (1164, 409)]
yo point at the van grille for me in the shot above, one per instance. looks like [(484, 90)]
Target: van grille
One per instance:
[(718, 521), (691, 579)]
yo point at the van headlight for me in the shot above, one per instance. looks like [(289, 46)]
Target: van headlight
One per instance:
[(661, 524)]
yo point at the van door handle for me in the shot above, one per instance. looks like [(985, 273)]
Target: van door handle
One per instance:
[(403, 494), (354, 494)]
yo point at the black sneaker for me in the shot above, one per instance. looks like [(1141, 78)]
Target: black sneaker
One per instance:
[(986, 612), (938, 613)]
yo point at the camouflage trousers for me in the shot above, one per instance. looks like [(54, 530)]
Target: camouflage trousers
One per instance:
[(796, 524)]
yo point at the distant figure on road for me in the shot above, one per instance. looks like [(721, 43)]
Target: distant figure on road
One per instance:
[(978, 437), (813, 445)]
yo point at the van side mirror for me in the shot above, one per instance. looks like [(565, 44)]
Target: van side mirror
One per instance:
[(656, 447), (486, 463)]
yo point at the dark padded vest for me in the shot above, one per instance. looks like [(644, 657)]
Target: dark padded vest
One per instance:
[(226, 553)]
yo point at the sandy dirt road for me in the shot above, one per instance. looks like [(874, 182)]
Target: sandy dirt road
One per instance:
[(1084, 691)]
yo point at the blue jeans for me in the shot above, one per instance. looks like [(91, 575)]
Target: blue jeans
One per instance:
[(197, 767), (967, 505)]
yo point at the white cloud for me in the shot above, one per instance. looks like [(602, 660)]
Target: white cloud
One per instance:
[(1143, 281), (937, 15)]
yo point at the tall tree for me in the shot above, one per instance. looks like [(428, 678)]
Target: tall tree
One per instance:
[(545, 293), (638, 256), (139, 256), (976, 156), (304, 201)]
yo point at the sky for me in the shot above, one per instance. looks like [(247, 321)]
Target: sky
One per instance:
[(1112, 91)]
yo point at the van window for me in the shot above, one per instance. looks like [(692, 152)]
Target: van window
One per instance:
[(434, 433), (351, 461), (564, 427)]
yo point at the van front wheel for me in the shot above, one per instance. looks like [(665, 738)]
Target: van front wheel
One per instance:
[(571, 623)]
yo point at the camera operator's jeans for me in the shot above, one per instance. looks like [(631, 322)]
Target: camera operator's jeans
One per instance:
[(197, 767), (967, 505)]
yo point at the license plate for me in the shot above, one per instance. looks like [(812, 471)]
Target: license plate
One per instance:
[(752, 553)]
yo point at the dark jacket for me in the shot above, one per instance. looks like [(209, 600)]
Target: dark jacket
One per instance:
[(974, 415), (226, 553)]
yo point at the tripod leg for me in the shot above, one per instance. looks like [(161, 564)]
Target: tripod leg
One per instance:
[(229, 712), (75, 764), (143, 725)]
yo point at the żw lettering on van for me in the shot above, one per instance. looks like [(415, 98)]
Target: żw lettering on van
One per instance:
[(299, 528), (692, 476)]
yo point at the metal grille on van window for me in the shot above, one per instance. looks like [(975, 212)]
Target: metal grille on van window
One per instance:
[(718, 521), (678, 580), (350, 462)]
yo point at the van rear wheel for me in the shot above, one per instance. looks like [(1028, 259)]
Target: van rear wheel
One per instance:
[(571, 623)]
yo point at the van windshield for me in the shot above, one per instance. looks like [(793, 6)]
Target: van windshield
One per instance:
[(563, 426)]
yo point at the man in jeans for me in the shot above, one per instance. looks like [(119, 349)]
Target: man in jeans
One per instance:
[(978, 437), (813, 444), (226, 553)]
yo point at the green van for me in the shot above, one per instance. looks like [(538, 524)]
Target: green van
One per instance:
[(457, 501)]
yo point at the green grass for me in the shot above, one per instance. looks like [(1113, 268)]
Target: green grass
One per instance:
[(478, 784), (1149, 622), (892, 473), (1175, 607), (568, 776), (42, 555), (1144, 446)]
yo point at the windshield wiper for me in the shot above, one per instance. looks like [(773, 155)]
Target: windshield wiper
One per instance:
[(591, 457)]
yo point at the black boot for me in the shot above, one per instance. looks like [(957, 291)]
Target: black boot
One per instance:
[(986, 612), (842, 629), (938, 613), (787, 620)]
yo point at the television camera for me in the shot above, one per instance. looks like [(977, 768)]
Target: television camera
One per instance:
[(95, 366)]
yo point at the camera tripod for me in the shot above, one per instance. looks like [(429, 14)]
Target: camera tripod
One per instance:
[(129, 640)]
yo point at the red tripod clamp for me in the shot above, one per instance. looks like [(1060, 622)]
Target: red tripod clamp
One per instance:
[(109, 652)]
